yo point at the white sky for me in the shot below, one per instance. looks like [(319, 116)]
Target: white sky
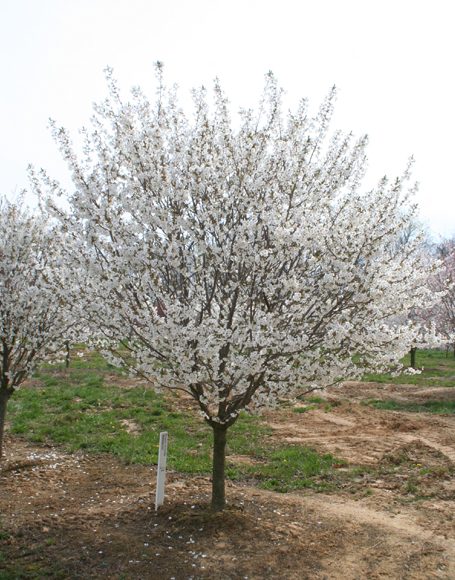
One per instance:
[(392, 61)]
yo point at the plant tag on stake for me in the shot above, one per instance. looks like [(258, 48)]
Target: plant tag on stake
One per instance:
[(161, 472)]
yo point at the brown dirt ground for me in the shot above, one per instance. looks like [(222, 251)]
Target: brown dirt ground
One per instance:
[(86, 516)]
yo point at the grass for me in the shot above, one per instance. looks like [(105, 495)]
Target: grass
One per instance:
[(93, 407), (294, 468), (438, 370), (98, 418), (304, 409), (311, 402), (437, 407), (84, 408)]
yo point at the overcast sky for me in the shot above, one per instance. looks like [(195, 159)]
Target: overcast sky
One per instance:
[(392, 61)]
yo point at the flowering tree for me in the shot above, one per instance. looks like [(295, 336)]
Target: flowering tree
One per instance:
[(435, 323), (443, 283), (238, 262), (34, 321), (427, 333)]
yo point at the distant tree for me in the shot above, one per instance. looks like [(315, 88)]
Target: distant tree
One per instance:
[(238, 262), (435, 324), (34, 321), (443, 282), (420, 317)]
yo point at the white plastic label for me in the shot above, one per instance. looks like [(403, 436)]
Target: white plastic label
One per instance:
[(161, 471)]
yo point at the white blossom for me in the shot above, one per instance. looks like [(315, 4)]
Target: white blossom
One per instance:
[(240, 261), (34, 284)]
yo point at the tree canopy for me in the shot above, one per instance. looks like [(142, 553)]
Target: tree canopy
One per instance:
[(34, 317), (239, 261)]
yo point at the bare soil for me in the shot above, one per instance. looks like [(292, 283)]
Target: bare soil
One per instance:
[(87, 516)]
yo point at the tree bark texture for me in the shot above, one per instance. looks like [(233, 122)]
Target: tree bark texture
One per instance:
[(219, 457), (4, 396), (413, 356), (67, 355)]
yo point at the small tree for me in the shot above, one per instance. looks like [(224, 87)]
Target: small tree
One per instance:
[(427, 335), (443, 283), (237, 263), (435, 322), (33, 316)]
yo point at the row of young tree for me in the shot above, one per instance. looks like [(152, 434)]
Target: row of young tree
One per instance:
[(238, 261), (442, 314)]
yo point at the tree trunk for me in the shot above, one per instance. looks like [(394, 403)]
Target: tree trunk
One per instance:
[(413, 356), (68, 354), (4, 396), (219, 456)]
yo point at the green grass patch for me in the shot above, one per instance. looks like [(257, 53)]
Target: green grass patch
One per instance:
[(291, 468), (313, 402), (315, 399), (304, 409), (437, 369), (437, 407), (80, 409), (124, 422)]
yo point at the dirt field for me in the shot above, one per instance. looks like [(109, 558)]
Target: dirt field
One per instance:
[(86, 516)]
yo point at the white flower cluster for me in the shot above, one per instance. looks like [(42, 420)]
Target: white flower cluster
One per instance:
[(237, 261), (35, 285)]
